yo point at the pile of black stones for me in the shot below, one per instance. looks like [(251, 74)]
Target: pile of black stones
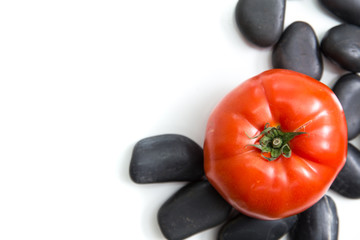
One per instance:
[(171, 157)]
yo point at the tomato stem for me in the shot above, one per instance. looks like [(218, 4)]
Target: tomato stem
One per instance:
[(277, 142), (274, 141)]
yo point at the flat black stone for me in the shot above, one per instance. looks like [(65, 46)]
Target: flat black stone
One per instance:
[(164, 158), (194, 208), (298, 50), (246, 228), (347, 89), (260, 21), (318, 222), (347, 183), (341, 45), (347, 10)]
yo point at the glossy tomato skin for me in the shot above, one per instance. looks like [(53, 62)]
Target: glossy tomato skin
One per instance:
[(286, 186)]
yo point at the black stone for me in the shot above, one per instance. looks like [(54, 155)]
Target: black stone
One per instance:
[(347, 89), (298, 50), (341, 44), (347, 183), (194, 208), (347, 10), (318, 222), (260, 21), (246, 228), (164, 158)]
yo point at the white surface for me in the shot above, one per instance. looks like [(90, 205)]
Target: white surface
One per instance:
[(82, 81)]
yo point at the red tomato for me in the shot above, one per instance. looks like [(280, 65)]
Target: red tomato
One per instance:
[(273, 189)]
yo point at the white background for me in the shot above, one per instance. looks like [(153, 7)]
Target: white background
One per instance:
[(82, 81)]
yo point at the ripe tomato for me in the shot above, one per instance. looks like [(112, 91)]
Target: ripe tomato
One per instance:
[(273, 186)]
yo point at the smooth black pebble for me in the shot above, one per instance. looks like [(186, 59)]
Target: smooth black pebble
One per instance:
[(347, 10), (164, 158), (194, 208), (298, 50), (347, 89), (246, 228), (260, 21), (319, 222), (347, 183), (341, 44)]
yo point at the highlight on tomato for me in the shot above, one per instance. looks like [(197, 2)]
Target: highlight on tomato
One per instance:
[(274, 144)]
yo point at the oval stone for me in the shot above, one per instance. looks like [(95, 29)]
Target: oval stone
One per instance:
[(341, 44), (347, 10), (246, 228), (298, 50), (260, 21), (164, 158), (194, 208), (347, 183), (347, 89), (318, 222)]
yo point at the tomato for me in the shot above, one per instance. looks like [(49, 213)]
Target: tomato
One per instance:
[(258, 175)]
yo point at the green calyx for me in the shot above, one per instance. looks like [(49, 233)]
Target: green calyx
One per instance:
[(275, 142)]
